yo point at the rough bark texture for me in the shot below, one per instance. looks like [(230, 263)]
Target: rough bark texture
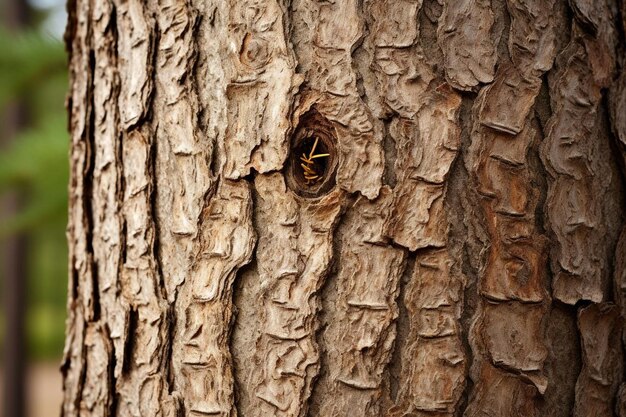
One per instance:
[(390, 208)]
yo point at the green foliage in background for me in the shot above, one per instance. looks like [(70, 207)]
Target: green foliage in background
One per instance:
[(34, 165)]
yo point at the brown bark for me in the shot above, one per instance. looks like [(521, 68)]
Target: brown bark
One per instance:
[(455, 250)]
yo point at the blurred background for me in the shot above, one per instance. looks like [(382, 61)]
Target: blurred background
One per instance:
[(33, 205)]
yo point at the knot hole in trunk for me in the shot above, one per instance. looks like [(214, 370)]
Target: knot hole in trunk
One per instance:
[(313, 156)]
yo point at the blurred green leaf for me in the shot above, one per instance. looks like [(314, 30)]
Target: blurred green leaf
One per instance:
[(28, 59), (34, 165), (36, 156), (45, 330)]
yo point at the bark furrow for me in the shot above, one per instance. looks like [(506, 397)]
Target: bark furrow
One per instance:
[(364, 300), (424, 126), (107, 240), (433, 364), (508, 330), (580, 207), (617, 102), (532, 49), (81, 295), (293, 256), (201, 353), (147, 327), (603, 360)]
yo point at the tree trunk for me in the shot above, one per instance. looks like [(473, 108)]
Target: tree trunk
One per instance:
[(13, 250), (351, 208)]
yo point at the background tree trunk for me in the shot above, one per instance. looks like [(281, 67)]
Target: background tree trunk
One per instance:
[(13, 260), (457, 254)]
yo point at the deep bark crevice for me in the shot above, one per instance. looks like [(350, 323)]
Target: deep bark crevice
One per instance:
[(170, 326), (88, 188), (402, 330), (238, 305), (328, 300), (459, 232)]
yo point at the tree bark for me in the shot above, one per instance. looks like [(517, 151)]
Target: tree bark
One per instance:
[(353, 208)]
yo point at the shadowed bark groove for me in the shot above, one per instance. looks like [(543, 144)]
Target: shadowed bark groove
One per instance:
[(581, 198), (453, 246), (603, 360), (293, 255), (80, 286), (367, 285), (507, 331), (424, 113), (507, 334), (617, 101), (201, 353)]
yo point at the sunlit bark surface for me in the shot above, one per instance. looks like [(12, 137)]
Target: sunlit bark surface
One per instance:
[(378, 208)]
